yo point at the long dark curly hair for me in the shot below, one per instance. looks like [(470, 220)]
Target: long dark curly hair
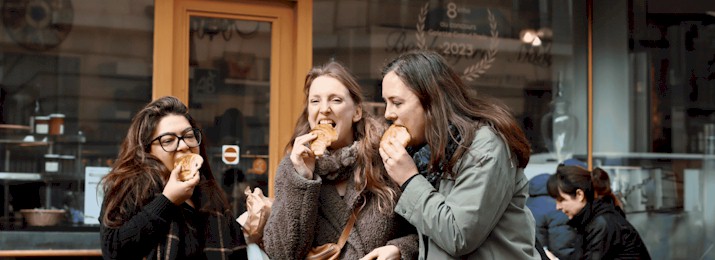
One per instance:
[(137, 177)]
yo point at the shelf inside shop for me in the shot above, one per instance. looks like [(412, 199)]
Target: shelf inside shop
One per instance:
[(20, 176)]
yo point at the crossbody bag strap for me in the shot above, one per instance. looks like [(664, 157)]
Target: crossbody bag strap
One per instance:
[(348, 227)]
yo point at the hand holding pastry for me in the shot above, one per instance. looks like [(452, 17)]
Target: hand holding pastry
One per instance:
[(178, 189), (397, 161), (302, 157)]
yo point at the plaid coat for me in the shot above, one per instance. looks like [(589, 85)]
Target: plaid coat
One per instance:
[(162, 230)]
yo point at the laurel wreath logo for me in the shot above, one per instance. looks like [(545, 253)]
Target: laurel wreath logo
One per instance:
[(420, 35), (476, 70)]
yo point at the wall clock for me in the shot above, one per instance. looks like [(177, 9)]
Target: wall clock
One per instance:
[(38, 24)]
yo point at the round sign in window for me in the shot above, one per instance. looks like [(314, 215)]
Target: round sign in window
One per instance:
[(229, 154)]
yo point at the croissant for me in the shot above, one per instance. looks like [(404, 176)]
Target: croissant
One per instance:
[(326, 135), (399, 132), (190, 164)]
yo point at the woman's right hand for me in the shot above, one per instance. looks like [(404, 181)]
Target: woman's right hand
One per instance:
[(398, 163), (179, 191), (302, 157)]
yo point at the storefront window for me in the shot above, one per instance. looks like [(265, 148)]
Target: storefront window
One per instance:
[(72, 75), (653, 77), (653, 126), (530, 55), (229, 96)]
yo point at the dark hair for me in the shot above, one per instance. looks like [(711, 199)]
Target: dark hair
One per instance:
[(602, 186), (137, 176), (368, 130), (569, 179), (446, 101)]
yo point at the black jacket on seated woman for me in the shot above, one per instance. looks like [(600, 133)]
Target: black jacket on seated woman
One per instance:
[(602, 231), (605, 234)]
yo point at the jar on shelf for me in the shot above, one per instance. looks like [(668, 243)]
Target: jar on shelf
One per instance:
[(42, 125), (57, 124), (52, 162)]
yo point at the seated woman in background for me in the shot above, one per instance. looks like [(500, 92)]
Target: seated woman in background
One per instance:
[(603, 232)]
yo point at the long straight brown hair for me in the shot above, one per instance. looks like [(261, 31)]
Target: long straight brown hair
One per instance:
[(137, 177), (446, 102), (371, 174)]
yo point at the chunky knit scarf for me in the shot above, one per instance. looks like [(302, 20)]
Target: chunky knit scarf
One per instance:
[(337, 165), (421, 156)]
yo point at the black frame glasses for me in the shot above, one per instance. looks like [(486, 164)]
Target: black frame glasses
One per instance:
[(178, 139)]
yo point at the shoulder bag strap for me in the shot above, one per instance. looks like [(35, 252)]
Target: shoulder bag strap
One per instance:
[(348, 227)]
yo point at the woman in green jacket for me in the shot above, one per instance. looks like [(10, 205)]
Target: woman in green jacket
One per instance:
[(462, 174)]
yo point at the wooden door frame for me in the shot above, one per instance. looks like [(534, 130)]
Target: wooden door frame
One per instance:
[(291, 56)]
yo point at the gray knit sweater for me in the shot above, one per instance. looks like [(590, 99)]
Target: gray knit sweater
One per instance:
[(308, 213)]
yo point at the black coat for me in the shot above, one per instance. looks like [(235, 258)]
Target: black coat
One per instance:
[(603, 233)]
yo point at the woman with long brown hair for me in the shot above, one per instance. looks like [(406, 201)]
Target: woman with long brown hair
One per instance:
[(462, 176), (148, 211), (315, 197)]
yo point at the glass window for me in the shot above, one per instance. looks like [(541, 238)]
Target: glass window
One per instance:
[(530, 55), (654, 120), (229, 94), (72, 75)]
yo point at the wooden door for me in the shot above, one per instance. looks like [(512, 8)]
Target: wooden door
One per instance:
[(240, 66)]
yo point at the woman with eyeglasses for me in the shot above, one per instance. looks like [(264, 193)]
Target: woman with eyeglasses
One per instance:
[(148, 212)]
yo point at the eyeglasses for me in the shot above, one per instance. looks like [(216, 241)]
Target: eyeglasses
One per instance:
[(170, 142)]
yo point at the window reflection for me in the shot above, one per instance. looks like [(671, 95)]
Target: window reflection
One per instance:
[(653, 117), (519, 52), (229, 95), (74, 63)]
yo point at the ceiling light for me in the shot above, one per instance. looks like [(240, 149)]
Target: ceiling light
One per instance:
[(528, 36)]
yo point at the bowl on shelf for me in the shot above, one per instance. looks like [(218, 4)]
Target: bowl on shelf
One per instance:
[(43, 217)]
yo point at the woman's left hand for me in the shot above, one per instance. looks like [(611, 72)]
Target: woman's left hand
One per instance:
[(398, 162), (388, 252)]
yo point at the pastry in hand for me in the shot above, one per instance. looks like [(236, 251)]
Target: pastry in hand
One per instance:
[(190, 165), (399, 132), (326, 135)]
